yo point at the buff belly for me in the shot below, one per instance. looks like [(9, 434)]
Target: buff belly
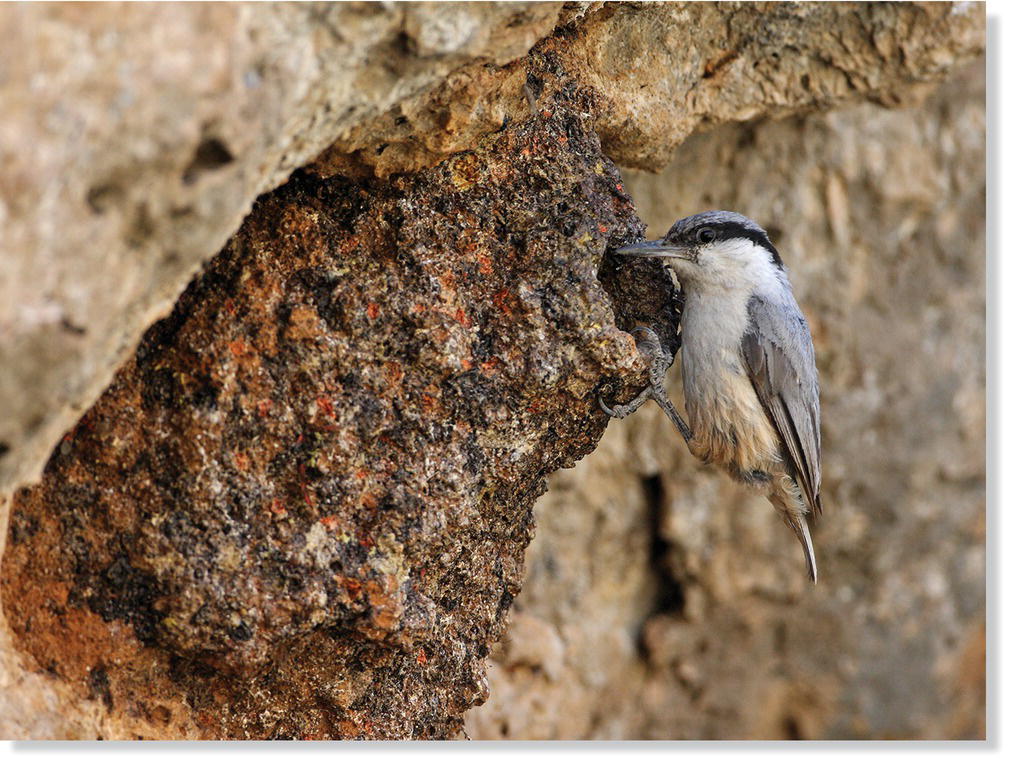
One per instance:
[(731, 429)]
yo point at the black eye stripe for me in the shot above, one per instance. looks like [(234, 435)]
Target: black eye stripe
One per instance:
[(730, 230)]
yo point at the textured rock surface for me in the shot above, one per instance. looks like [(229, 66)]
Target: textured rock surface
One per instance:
[(134, 140), (666, 69), (662, 601), (315, 478)]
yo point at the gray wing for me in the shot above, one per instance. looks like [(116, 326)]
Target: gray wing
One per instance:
[(778, 353)]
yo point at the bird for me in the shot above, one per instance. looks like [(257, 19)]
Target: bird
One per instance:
[(749, 372)]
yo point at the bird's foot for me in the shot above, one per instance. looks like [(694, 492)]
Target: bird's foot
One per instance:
[(625, 409), (660, 361)]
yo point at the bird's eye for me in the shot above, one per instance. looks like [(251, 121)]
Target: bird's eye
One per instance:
[(706, 235)]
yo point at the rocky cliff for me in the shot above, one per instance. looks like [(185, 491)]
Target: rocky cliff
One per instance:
[(300, 502)]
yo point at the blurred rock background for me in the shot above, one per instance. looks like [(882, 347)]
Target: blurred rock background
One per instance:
[(661, 601)]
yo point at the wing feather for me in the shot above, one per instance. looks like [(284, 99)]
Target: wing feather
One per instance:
[(778, 354)]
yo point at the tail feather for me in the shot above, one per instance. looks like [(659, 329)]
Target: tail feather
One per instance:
[(799, 525), (787, 499)]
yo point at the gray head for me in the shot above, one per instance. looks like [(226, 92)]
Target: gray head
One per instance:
[(714, 248)]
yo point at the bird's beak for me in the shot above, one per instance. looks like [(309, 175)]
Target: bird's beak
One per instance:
[(659, 248)]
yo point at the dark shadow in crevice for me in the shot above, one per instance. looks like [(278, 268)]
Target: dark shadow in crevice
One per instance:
[(670, 597), (211, 154), (791, 728)]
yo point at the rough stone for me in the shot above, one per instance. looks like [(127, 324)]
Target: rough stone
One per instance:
[(665, 70), (315, 477), (134, 139), (133, 142)]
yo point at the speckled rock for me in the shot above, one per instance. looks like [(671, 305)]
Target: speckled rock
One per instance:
[(316, 476), (135, 139)]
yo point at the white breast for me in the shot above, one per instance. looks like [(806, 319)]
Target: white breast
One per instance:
[(711, 336)]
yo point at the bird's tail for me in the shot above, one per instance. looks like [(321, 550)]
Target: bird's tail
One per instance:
[(788, 501), (799, 525)]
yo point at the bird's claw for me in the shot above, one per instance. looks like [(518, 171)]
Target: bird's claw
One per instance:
[(661, 360), (609, 411), (625, 409)]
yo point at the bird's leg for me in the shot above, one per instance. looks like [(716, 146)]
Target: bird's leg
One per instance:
[(669, 409), (661, 359)]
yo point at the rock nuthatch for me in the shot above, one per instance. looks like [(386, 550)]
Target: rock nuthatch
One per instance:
[(748, 367)]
